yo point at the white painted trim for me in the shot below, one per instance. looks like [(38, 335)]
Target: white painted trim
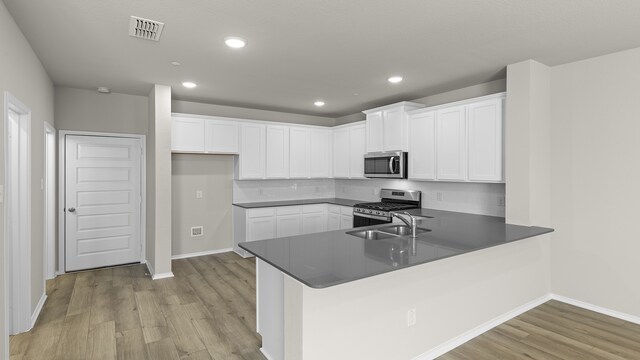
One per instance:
[(201, 253), (155, 276), (62, 195), (49, 248), (266, 354), (463, 338), (599, 309), (36, 312)]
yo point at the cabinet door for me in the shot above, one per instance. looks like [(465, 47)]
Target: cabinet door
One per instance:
[(314, 223), (422, 146), (341, 153), (252, 148), (393, 129), (485, 140), (320, 153), (187, 134), (299, 153), (346, 221), (260, 228), (451, 143), (277, 152), (288, 225), (357, 149), (333, 222), (220, 136), (374, 126)]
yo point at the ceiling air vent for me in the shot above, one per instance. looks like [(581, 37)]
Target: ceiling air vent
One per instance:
[(145, 29)]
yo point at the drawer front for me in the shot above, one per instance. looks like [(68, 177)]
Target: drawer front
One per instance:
[(288, 210), (334, 209), (310, 209), (346, 210), (252, 213)]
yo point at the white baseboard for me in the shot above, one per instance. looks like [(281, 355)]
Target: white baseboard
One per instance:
[(201, 253), (155, 276), (266, 354), (36, 312), (463, 338), (599, 309)]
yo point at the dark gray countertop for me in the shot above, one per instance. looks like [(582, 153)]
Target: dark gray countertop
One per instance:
[(263, 204), (330, 258)]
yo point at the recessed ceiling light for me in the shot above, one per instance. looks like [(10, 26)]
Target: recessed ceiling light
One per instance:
[(355, 94), (175, 63), (189, 84), (319, 103), (395, 79), (104, 90), (235, 42)]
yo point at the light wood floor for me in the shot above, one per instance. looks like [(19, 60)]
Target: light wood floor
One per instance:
[(555, 331), (207, 311)]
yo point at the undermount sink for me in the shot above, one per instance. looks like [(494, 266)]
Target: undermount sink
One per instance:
[(401, 230), (385, 232), (371, 234)]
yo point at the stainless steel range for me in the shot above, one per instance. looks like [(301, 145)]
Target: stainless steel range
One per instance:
[(373, 213)]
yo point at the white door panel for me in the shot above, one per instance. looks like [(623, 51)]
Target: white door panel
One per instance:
[(103, 186)]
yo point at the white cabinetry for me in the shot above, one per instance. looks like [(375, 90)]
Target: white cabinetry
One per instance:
[(349, 147), (340, 217), (299, 152), (387, 127), (485, 140), (252, 151), (187, 134), (288, 221), (204, 135), (314, 218), (451, 143), (252, 225), (277, 161), (422, 146), (309, 153)]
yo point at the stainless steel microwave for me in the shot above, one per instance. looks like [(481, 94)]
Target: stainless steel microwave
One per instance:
[(389, 164)]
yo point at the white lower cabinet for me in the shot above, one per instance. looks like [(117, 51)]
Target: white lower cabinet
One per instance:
[(252, 225), (340, 217), (314, 218), (333, 221), (288, 221)]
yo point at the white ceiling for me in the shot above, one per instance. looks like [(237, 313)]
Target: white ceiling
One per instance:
[(303, 50)]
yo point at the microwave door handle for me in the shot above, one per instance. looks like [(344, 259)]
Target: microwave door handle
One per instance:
[(391, 165)]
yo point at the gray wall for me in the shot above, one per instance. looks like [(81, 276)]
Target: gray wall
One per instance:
[(487, 88), (88, 110), (187, 107), (211, 174), (22, 74)]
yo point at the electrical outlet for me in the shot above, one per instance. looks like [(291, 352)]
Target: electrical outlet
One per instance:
[(197, 231), (198, 194), (501, 201), (439, 196), (411, 317)]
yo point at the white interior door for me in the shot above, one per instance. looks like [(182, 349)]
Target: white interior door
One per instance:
[(102, 201)]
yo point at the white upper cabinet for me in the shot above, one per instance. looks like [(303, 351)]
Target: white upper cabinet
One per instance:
[(387, 127), (422, 145), (451, 143), (357, 149), (252, 151), (374, 132), (221, 136), (485, 140), (299, 150), (320, 153), (187, 134), (341, 152), (277, 162)]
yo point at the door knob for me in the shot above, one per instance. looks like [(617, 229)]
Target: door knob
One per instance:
[(72, 209)]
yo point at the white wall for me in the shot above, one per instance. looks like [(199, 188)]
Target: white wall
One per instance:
[(595, 180), (22, 74), (211, 174)]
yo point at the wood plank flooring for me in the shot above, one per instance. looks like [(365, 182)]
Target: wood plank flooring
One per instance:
[(207, 312), (555, 331)]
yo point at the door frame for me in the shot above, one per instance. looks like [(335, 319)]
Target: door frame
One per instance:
[(21, 263), (62, 144), (49, 210)]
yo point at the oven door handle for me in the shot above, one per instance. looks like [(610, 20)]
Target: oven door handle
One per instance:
[(391, 169), (371, 216)]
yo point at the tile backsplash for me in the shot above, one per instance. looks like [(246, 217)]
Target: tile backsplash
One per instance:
[(477, 198)]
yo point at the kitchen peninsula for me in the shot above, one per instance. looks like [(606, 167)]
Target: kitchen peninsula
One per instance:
[(340, 293)]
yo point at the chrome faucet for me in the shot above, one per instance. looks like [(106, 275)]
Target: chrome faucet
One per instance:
[(412, 223)]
